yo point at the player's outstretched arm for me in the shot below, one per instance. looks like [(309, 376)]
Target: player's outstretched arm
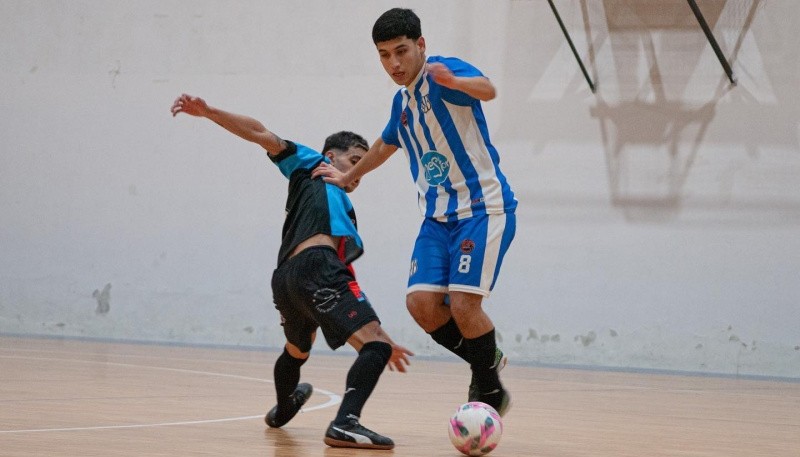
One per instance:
[(479, 87), (240, 125), (378, 153)]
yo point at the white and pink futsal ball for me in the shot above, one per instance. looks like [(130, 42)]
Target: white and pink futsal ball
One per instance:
[(475, 428)]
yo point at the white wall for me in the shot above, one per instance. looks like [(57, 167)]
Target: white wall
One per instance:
[(658, 220)]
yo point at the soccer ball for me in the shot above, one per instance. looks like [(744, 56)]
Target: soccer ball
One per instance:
[(475, 428)]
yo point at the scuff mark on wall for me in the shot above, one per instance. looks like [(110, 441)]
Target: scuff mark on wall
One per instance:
[(554, 338), (114, 72), (587, 339), (103, 300)]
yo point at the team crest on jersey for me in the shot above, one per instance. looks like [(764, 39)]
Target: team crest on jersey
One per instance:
[(436, 167), (425, 103), (404, 119), (467, 246)]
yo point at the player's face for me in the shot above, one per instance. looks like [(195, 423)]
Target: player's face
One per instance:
[(344, 161), (402, 58)]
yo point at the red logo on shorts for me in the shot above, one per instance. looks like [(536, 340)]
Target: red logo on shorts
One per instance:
[(467, 246), (352, 314), (356, 290)]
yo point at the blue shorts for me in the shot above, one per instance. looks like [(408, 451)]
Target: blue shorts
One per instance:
[(463, 256)]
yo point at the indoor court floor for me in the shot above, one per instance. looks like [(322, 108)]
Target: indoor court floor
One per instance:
[(62, 397)]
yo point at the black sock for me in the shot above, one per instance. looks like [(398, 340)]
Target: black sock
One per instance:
[(449, 336), (287, 376), (362, 379), (481, 354)]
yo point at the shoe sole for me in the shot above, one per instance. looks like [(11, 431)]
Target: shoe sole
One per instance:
[(332, 442)]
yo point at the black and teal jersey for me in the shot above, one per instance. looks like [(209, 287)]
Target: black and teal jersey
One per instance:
[(314, 206)]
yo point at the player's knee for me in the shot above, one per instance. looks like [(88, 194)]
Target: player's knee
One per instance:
[(428, 310), (301, 348), (380, 349), (464, 309), (414, 307), (421, 313), (421, 305), (296, 352)]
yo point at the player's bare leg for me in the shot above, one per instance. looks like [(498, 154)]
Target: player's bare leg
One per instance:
[(465, 329), (431, 311), (428, 309), (467, 310)]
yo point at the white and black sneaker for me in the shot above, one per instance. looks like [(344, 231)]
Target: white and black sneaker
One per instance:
[(500, 362), (498, 399), (353, 434), (299, 398)]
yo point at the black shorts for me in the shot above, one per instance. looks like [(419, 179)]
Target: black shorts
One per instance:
[(316, 289)]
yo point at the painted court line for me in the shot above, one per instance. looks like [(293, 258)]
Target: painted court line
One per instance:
[(333, 399)]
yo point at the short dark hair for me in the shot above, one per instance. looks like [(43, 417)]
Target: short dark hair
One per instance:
[(395, 23), (344, 140)]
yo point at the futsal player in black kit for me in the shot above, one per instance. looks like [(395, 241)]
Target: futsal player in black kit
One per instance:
[(314, 285)]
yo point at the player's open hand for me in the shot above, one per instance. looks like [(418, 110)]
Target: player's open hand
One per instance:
[(330, 174), (398, 361), (188, 104)]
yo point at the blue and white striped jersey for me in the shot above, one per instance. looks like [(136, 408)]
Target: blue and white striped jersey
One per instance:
[(446, 140)]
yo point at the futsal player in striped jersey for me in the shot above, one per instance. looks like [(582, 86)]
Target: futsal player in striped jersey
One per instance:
[(466, 200)]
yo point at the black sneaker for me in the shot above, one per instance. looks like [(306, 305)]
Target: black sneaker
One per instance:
[(299, 398), (499, 400), (353, 434), (500, 362)]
